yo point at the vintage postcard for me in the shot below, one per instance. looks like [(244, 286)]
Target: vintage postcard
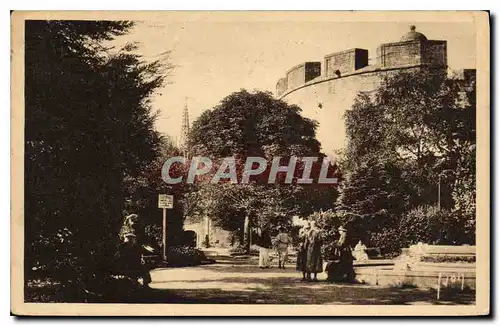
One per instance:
[(250, 163)]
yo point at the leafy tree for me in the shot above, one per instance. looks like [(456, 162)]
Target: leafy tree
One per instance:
[(433, 226), (89, 126), (253, 124), (418, 119), (256, 124), (375, 194), (418, 125)]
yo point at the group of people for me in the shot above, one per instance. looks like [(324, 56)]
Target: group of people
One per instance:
[(309, 257), (310, 261), (309, 253)]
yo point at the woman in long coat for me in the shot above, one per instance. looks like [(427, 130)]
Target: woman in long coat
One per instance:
[(314, 260), (345, 269), (265, 245), (302, 251)]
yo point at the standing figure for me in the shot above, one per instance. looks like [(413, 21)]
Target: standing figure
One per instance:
[(265, 245), (345, 268), (282, 247), (131, 250), (302, 250), (314, 260)]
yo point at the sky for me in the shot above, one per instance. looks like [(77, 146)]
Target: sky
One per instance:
[(214, 58)]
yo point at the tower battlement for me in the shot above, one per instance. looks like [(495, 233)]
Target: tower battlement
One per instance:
[(414, 49), (326, 90)]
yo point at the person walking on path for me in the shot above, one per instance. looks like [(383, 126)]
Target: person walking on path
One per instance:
[(282, 247), (302, 251), (265, 245), (314, 259)]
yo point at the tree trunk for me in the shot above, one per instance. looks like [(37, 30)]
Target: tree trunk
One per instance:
[(247, 233)]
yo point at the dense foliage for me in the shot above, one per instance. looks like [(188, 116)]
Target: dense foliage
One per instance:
[(185, 256), (89, 131), (417, 130), (255, 124), (142, 193)]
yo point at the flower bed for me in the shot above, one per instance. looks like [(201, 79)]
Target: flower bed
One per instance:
[(448, 259)]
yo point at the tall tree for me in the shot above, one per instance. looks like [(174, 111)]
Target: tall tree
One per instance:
[(417, 126), (89, 124), (248, 124)]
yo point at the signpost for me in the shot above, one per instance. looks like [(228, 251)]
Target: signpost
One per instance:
[(164, 202)]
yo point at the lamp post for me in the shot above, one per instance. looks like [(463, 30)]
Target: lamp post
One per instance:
[(439, 186)]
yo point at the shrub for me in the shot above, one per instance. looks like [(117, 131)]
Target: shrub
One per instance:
[(155, 233), (240, 250), (388, 241), (428, 225), (237, 251), (425, 224), (185, 256), (449, 259), (433, 226)]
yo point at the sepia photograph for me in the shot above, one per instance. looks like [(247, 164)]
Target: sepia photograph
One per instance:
[(250, 163)]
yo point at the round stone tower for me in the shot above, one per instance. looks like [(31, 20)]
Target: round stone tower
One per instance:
[(325, 90)]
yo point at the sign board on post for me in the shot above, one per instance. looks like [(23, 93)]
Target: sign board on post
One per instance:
[(164, 202)]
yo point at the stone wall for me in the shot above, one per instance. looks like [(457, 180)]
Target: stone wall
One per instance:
[(345, 62), (399, 54), (434, 53), (326, 95), (217, 237), (326, 101), (302, 73), (456, 276), (281, 86)]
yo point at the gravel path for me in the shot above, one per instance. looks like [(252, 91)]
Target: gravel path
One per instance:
[(242, 282)]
